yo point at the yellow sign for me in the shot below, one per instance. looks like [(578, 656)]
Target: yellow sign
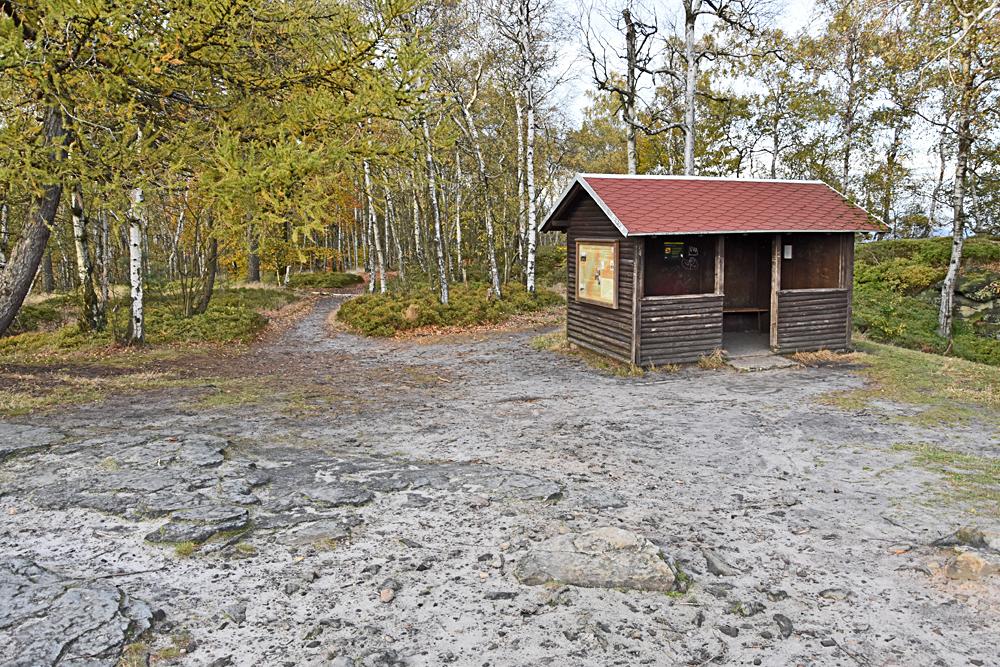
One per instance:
[(597, 272)]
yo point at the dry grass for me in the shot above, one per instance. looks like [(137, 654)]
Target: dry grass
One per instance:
[(712, 362), (826, 358), (556, 342), (949, 390)]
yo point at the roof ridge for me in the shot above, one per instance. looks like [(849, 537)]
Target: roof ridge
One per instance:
[(681, 177)]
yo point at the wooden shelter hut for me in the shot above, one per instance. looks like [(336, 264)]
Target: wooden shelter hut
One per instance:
[(665, 269)]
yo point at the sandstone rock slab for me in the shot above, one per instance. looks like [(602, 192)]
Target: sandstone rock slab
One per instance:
[(601, 558)]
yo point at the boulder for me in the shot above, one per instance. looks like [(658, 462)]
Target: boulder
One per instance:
[(600, 558), (971, 566)]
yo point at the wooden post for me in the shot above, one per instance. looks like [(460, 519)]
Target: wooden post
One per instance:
[(638, 257), (720, 264), (775, 286), (847, 282)]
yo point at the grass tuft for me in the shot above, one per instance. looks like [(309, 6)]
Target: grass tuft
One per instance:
[(712, 362)]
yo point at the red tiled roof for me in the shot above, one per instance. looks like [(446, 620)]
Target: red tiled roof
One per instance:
[(640, 205)]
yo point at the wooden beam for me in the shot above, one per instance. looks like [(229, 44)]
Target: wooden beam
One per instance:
[(720, 264), (847, 282), (638, 270), (775, 286)]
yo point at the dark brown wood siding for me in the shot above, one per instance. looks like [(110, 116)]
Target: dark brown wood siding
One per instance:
[(679, 329), (813, 319), (605, 330)]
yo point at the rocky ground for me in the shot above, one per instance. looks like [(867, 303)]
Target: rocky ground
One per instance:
[(475, 502)]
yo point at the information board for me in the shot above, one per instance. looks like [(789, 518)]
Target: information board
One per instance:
[(597, 272)]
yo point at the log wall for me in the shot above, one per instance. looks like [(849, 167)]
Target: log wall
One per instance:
[(604, 330), (813, 319), (679, 329)]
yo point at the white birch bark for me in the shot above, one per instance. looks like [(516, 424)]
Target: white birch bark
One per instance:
[(692, 7), (136, 220), (435, 212), (521, 207), (84, 267), (4, 234), (964, 149), (418, 247), (458, 216), (172, 260), (491, 250), (529, 178), (105, 261), (373, 230), (393, 222)]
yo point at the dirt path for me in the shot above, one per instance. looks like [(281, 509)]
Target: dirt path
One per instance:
[(373, 501)]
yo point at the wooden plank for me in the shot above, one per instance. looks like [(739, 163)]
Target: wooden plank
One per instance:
[(720, 263), (600, 350), (847, 282), (637, 268), (775, 286)]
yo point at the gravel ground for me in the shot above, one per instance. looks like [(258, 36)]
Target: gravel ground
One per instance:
[(374, 505)]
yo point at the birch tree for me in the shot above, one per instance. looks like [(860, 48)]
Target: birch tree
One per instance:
[(637, 58), (970, 64)]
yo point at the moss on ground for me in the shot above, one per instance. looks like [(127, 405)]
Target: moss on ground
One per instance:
[(971, 480), (468, 305), (235, 315), (44, 369), (946, 389)]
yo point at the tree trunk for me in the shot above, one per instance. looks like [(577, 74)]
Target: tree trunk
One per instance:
[(105, 262), (436, 213), (484, 180), (529, 177), (393, 221), (4, 234), (136, 222), (92, 317), (211, 269), (22, 265), (373, 231), (48, 274), (253, 259), (964, 124), (173, 261), (848, 117), (691, 70), (521, 207), (418, 247), (458, 216), (630, 87)]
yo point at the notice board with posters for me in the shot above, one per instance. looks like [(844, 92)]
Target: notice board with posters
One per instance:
[(597, 272)]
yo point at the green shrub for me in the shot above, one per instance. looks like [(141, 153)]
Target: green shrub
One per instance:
[(468, 305), (889, 317), (45, 314), (326, 280), (933, 252), (550, 265), (900, 275)]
